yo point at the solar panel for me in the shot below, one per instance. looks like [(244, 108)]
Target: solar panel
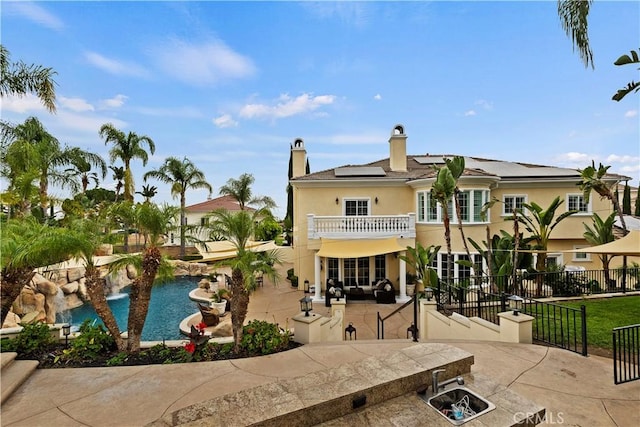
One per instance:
[(360, 171)]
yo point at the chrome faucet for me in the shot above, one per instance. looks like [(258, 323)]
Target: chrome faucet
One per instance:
[(436, 386)]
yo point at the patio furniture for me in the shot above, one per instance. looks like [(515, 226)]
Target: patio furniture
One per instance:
[(210, 317), (331, 283), (384, 292)]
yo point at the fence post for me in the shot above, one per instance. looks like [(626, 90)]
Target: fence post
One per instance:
[(460, 302), (503, 302), (415, 317), (478, 301), (583, 310)]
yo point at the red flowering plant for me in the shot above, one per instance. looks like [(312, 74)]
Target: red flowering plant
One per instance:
[(197, 340)]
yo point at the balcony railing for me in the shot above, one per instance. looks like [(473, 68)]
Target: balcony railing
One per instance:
[(372, 226)]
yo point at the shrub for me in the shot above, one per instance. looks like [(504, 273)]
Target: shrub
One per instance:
[(260, 337), (34, 340), (92, 343)]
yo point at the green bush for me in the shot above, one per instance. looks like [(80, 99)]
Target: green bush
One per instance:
[(91, 344), (33, 340), (260, 337)]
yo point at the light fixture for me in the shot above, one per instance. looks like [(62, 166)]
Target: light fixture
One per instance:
[(351, 330), (306, 305), (376, 200), (306, 286), (428, 292), (338, 293), (66, 331), (337, 200), (515, 304)]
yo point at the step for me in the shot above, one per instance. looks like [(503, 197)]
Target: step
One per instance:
[(7, 358), (14, 374)]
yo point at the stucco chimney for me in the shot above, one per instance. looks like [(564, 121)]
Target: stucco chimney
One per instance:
[(298, 158), (398, 149)]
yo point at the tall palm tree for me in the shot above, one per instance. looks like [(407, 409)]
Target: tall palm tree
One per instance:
[(456, 166), (154, 222), (127, 147), (599, 234), (182, 175), (442, 191), (540, 223), (240, 189), (238, 227), (148, 192), (118, 175), (20, 79), (593, 180), (26, 245)]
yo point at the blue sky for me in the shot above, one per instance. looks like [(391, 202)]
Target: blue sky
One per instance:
[(230, 85)]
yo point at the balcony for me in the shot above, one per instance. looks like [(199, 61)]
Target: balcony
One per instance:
[(360, 227)]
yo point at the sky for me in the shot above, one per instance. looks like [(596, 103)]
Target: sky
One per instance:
[(230, 85)]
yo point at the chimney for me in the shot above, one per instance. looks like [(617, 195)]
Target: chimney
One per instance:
[(398, 149), (299, 158)]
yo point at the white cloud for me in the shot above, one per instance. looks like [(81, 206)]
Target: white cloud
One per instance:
[(225, 121), (75, 104), (90, 124), (115, 102), (203, 64), (574, 157), (470, 113), (188, 112), (631, 113), (286, 106), (484, 104), (22, 104), (34, 13), (112, 66), (614, 158), (357, 14), (377, 97)]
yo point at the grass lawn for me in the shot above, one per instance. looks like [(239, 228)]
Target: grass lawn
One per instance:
[(556, 323)]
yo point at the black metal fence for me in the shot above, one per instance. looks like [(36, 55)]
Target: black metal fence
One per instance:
[(626, 354), (470, 302), (559, 326), (564, 283), (411, 330)]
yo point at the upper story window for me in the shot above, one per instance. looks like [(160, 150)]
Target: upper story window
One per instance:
[(356, 207), (471, 202), (511, 202), (575, 202)]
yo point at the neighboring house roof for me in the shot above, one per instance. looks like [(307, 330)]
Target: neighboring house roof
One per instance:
[(421, 167), (223, 202)]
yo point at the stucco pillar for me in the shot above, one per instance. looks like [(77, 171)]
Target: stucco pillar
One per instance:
[(516, 328), (402, 268), (307, 329), (423, 318), (317, 296)]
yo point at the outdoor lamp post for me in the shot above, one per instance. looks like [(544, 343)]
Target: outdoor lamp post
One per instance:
[(306, 305), (515, 304), (428, 292), (351, 330), (66, 331), (306, 286)]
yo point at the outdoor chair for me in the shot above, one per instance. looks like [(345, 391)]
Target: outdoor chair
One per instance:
[(210, 316)]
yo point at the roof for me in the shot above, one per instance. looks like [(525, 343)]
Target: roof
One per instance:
[(422, 167), (223, 202)]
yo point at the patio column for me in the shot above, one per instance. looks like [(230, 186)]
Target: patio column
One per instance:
[(402, 267), (317, 297)]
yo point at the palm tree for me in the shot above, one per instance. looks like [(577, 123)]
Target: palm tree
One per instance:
[(240, 189), (238, 227), (182, 175), (601, 233), (20, 79), (32, 148), (573, 17), (127, 147), (118, 175), (442, 191), (154, 222), (456, 166), (24, 246), (148, 191), (632, 86), (540, 223), (421, 258), (593, 179), (82, 163)]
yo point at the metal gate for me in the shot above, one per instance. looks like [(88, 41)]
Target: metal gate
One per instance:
[(559, 326), (626, 354)]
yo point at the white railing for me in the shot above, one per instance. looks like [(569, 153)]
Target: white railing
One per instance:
[(361, 226)]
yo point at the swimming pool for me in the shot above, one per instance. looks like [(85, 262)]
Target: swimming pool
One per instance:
[(169, 305)]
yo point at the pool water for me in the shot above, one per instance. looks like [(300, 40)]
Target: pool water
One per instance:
[(169, 305)]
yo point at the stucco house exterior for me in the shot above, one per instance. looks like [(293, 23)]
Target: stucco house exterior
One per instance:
[(351, 222)]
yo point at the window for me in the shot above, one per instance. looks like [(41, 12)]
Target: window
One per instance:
[(575, 202), (333, 268), (358, 207), (460, 272), (204, 221), (578, 256), (356, 270), (471, 203), (511, 202), (380, 267)]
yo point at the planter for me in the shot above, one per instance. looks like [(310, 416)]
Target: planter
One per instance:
[(220, 306), (411, 289)]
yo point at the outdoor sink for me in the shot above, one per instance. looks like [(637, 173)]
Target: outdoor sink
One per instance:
[(468, 404)]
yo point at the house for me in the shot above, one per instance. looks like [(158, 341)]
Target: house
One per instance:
[(351, 222)]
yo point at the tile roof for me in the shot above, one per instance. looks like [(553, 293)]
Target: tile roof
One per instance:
[(223, 202)]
